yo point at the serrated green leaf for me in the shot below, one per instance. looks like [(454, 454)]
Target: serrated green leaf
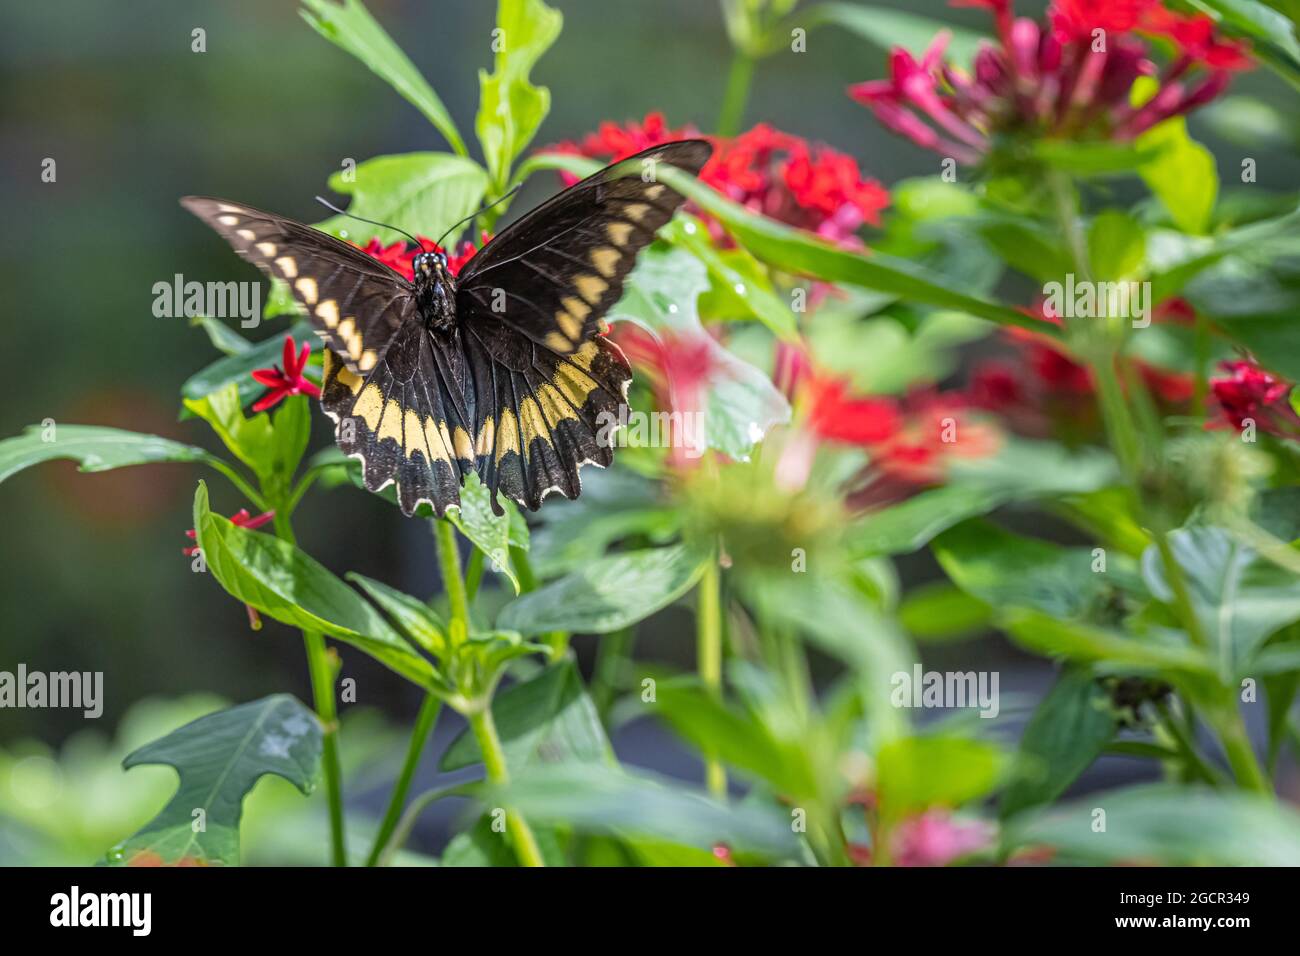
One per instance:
[(605, 597), (220, 758), (350, 26)]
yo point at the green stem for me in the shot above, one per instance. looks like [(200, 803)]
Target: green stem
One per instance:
[(1236, 746), (494, 762), (557, 641), (1187, 751), (238, 481), (612, 654), (473, 574), (452, 581), (322, 688), (736, 95), (708, 625), (424, 722), (322, 673)]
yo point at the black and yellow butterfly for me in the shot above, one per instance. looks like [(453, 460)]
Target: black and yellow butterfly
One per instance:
[(503, 370)]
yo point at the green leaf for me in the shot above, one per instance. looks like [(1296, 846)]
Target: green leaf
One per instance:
[(1068, 731), (741, 404), (423, 193), (95, 448), (416, 619), (797, 252), (916, 773), (600, 799), (887, 28), (510, 107), (1239, 598), (238, 369), (746, 286), (938, 611), (1089, 644), (1166, 825), (490, 533), (284, 583), (1116, 245), (608, 596), (271, 446), (737, 739), (1181, 174), (548, 718), (223, 338), (350, 26), (219, 759), (1008, 570)]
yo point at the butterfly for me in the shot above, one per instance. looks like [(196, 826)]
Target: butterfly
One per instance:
[(504, 369)]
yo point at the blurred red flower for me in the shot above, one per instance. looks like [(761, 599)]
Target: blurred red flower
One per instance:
[(812, 187), (935, 839), (1248, 393), (1070, 77), (286, 381), (399, 256)]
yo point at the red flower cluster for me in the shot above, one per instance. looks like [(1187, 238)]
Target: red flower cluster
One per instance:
[(286, 381), (911, 441), (679, 369), (1070, 77), (1044, 389), (808, 186), (1247, 393), (400, 256)]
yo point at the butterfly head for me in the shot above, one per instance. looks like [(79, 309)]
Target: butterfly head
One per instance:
[(435, 287)]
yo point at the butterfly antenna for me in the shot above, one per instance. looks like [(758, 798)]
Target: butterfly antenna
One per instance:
[(329, 205), (479, 213)]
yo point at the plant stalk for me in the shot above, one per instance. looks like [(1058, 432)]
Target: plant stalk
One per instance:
[(736, 95), (708, 624), (494, 762), (424, 722)]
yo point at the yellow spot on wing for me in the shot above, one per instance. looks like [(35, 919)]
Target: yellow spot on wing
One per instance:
[(553, 405), (619, 232), (654, 191), (369, 406), (286, 264), (507, 435), (346, 328), (532, 424), (574, 384), (590, 288), (483, 444), (464, 447), (605, 260), (569, 325), (368, 359), (585, 356), (267, 249), (413, 439), (246, 234), (228, 220), (391, 426), (306, 287), (433, 438), (635, 211), (557, 342), (328, 312), (576, 307)]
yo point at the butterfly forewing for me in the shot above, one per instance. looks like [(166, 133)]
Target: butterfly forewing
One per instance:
[(356, 303)]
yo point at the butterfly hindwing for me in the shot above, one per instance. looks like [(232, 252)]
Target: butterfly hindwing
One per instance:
[(356, 303)]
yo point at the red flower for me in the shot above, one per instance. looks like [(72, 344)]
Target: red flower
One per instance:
[(240, 519), (1048, 80), (774, 173), (1248, 392), (283, 382), (679, 368), (400, 256), (833, 416)]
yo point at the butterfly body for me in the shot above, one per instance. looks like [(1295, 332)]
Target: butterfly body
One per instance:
[(502, 370)]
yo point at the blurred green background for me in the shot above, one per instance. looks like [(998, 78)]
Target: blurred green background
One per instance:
[(91, 571)]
